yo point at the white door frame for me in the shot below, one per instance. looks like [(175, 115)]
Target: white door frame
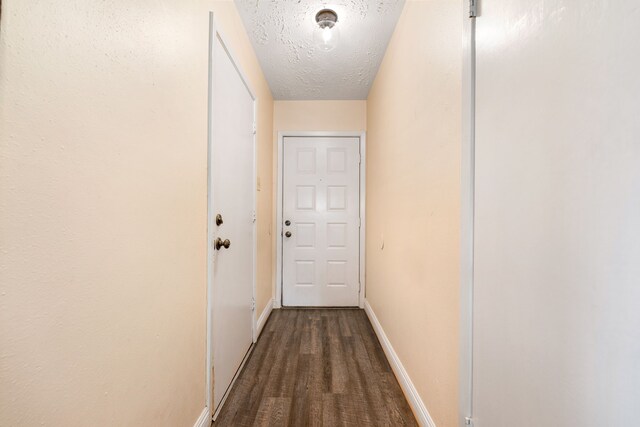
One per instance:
[(467, 206), (279, 197), (215, 32)]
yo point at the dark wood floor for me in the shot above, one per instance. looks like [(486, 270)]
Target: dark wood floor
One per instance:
[(317, 367)]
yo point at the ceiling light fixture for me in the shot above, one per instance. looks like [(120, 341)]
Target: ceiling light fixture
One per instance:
[(327, 33)]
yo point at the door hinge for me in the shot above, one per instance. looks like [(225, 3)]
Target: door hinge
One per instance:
[(253, 216), (253, 304), (468, 421), (473, 8), (255, 128)]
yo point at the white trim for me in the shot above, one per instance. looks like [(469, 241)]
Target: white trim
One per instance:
[(254, 328), (277, 303), (215, 32), (263, 318), (467, 181), (362, 135), (204, 420), (416, 403), (208, 365), (363, 216)]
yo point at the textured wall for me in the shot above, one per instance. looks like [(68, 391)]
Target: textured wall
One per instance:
[(103, 167), (413, 193)]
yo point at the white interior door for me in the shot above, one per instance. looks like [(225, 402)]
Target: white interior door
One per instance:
[(232, 197), (321, 219), (557, 220)]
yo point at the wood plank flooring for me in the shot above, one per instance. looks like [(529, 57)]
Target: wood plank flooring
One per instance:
[(316, 367)]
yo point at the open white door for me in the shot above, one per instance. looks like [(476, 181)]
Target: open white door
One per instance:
[(321, 220), (231, 220), (557, 220)]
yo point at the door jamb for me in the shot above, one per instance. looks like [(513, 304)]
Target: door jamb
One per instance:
[(467, 223), (216, 32), (279, 197)]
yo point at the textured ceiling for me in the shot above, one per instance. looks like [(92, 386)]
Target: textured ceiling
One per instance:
[(281, 32)]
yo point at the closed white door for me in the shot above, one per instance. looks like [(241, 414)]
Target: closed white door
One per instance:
[(232, 197), (557, 221), (321, 219)]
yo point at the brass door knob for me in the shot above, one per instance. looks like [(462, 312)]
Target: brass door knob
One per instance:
[(287, 234), (222, 243)]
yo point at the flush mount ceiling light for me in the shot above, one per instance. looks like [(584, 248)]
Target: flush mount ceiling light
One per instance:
[(327, 34)]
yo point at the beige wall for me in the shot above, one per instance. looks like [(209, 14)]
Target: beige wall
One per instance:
[(319, 115), (103, 167), (413, 192)]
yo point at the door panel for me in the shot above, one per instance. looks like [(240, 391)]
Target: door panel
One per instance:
[(321, 199), (557, 221), (232, 174)]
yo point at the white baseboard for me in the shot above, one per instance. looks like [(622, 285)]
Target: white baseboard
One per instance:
[(204, 420), (263, 318), (417, 405)]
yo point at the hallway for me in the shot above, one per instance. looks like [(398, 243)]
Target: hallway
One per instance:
[(349, 212), (316, 367)]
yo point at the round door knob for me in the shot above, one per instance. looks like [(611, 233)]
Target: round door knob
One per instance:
[(222, 243), (287, 234)]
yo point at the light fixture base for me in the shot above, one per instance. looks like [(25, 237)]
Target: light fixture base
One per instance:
[(326, 18)]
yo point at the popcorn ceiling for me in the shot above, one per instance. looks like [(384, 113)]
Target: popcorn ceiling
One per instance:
[(281, 32)]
